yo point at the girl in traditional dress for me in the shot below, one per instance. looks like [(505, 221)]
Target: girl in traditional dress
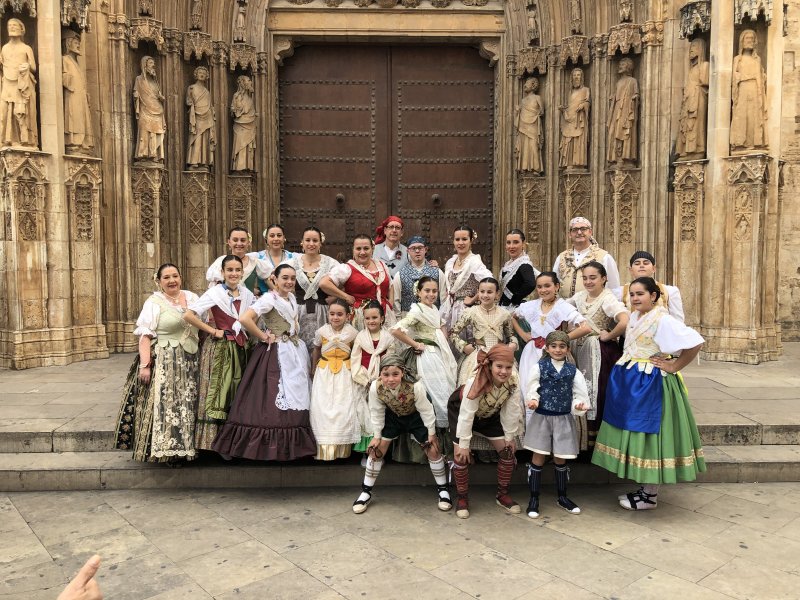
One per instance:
[(648, 432), (311, 267), (333, 399), (359, 280), (399, 405), (255, 268), (557, 391), (224, 354), (596, 353), (269, 416), (370, 345), (480, 327), (422, 330), (462, 273), (545, 314), (156, 420), (274, 254), (489, 406)]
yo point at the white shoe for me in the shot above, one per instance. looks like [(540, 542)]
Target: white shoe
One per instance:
[(362, 502), (445, 503), (639, 501)]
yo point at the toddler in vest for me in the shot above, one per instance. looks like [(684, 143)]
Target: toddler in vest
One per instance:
[(556, 391)]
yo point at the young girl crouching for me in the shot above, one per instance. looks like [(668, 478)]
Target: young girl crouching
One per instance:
[(556, 392), (399, 405)]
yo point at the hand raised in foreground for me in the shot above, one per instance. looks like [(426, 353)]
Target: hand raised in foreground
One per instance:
[(84, 586)]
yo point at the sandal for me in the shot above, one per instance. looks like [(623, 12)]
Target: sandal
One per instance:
[(639, 500), (445, 503), (462, 507), (363, 500)]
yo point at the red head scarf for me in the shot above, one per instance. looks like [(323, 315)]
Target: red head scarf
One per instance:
[(483, 374), (380, 237)]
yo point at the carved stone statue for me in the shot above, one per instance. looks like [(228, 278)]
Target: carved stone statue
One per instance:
[(575, 16), (240, 29), (533, 22), (530, 135), (575, 130), (149, 107), (692, 135), (749, 81), (18, 90), (625, 11), (243, 109), (202, 141), (77, 116), (196, 15), (623, 116), (146, 8)]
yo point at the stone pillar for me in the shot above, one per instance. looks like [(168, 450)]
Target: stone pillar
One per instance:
[(198, 201), (622, 211), (240, 195), (148, 185), (575, 193), (688, 223), (533, 191)]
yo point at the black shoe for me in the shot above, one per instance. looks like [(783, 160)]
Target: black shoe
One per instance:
[(363, 500), (533, 507), (568, 505)]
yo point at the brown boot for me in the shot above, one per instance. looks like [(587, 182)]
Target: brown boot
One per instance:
[(505, 469)]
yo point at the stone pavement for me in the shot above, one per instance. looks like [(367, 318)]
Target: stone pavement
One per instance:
[(705, 541)]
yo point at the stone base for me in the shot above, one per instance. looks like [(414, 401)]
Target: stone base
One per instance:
[(120, 338), (51, 347), (749, 346)]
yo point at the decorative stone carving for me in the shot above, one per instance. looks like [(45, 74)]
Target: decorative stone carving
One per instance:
[(242, 55), (240, 199), (534, 194), (118, 27), (173, 40), (653, 33), (490, 50), (146, 8), (694, 107), (689, 193), (623, 117), (599, 45), (24, 189), (18, 125), (243, 110), (149, 109), (77, 116), (511, 65), (749, 94), (197, 44), (240, 24), (282, 47), (19, 7), (695, 16), (75, 12), (751, 9), (532, 22), (202, 120), (219, 56), (196, 15), (573, 48), (530, 132), (625, 37), (147, 189), (575, 16), (531, 61), (197, 189), (147, 29), (575, 129), (625, 8), (625, 190), (83, 196), (575, 194)]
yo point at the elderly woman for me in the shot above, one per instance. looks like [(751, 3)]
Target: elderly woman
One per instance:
[(360, 279)]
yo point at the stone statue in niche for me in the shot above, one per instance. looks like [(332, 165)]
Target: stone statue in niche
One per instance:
[(573, 150), (148, 104), (202, 141), (533, 22), (692, 135), (146, 8), (240, 29), (243, 109), (530, 134), (196, 15), (18, 90), (575, 16), (77, 116), (625, 11), (623, 117), (749, 81)]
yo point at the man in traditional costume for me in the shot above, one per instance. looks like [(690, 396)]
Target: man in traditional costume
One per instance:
[(584, 248), (643, 264)]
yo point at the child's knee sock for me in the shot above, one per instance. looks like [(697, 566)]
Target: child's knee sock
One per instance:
[(439, 471), (372, 471)]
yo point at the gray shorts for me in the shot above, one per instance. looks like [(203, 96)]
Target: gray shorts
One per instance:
[(552, 434)]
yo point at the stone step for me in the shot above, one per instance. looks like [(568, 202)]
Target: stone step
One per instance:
[(115, 470)]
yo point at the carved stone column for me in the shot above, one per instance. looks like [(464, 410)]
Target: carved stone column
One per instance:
[(688, 224), (533, 192), (575, 193), (622, 213), (148, 184), (241, 194), (198, 202)]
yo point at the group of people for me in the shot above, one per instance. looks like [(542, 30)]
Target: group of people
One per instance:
[(304, 356)]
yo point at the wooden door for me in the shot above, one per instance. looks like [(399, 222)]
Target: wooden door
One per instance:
[(368, 131)]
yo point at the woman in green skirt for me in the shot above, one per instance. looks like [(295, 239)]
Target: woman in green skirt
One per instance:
[(648, 432)]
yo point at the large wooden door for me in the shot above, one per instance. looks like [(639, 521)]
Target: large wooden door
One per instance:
[(368, 131)]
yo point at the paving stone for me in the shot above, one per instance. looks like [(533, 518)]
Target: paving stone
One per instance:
[(114, 546), (747, 513), (398, 580), (75, 525), (759, 547), (288, 585), (141, 577), (659, 585), (338, 558), (196, 538), (190, 591), (286, 533), (745, 580)]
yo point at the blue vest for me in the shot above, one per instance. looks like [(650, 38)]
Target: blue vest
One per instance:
[(408, 276), (555, 389)]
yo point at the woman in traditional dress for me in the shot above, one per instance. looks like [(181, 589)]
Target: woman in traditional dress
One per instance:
[(462, 273), (648, 433), (255, 268), (269, 417), (360, 279), (311, 267), (333, 401), (224, 354), (545, 314), (596, 353), (518, 275), (157, 417), (274, 254)]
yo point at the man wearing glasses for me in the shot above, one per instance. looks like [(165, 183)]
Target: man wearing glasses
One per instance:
[(584, 249), (387, 244), (403, 282)]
